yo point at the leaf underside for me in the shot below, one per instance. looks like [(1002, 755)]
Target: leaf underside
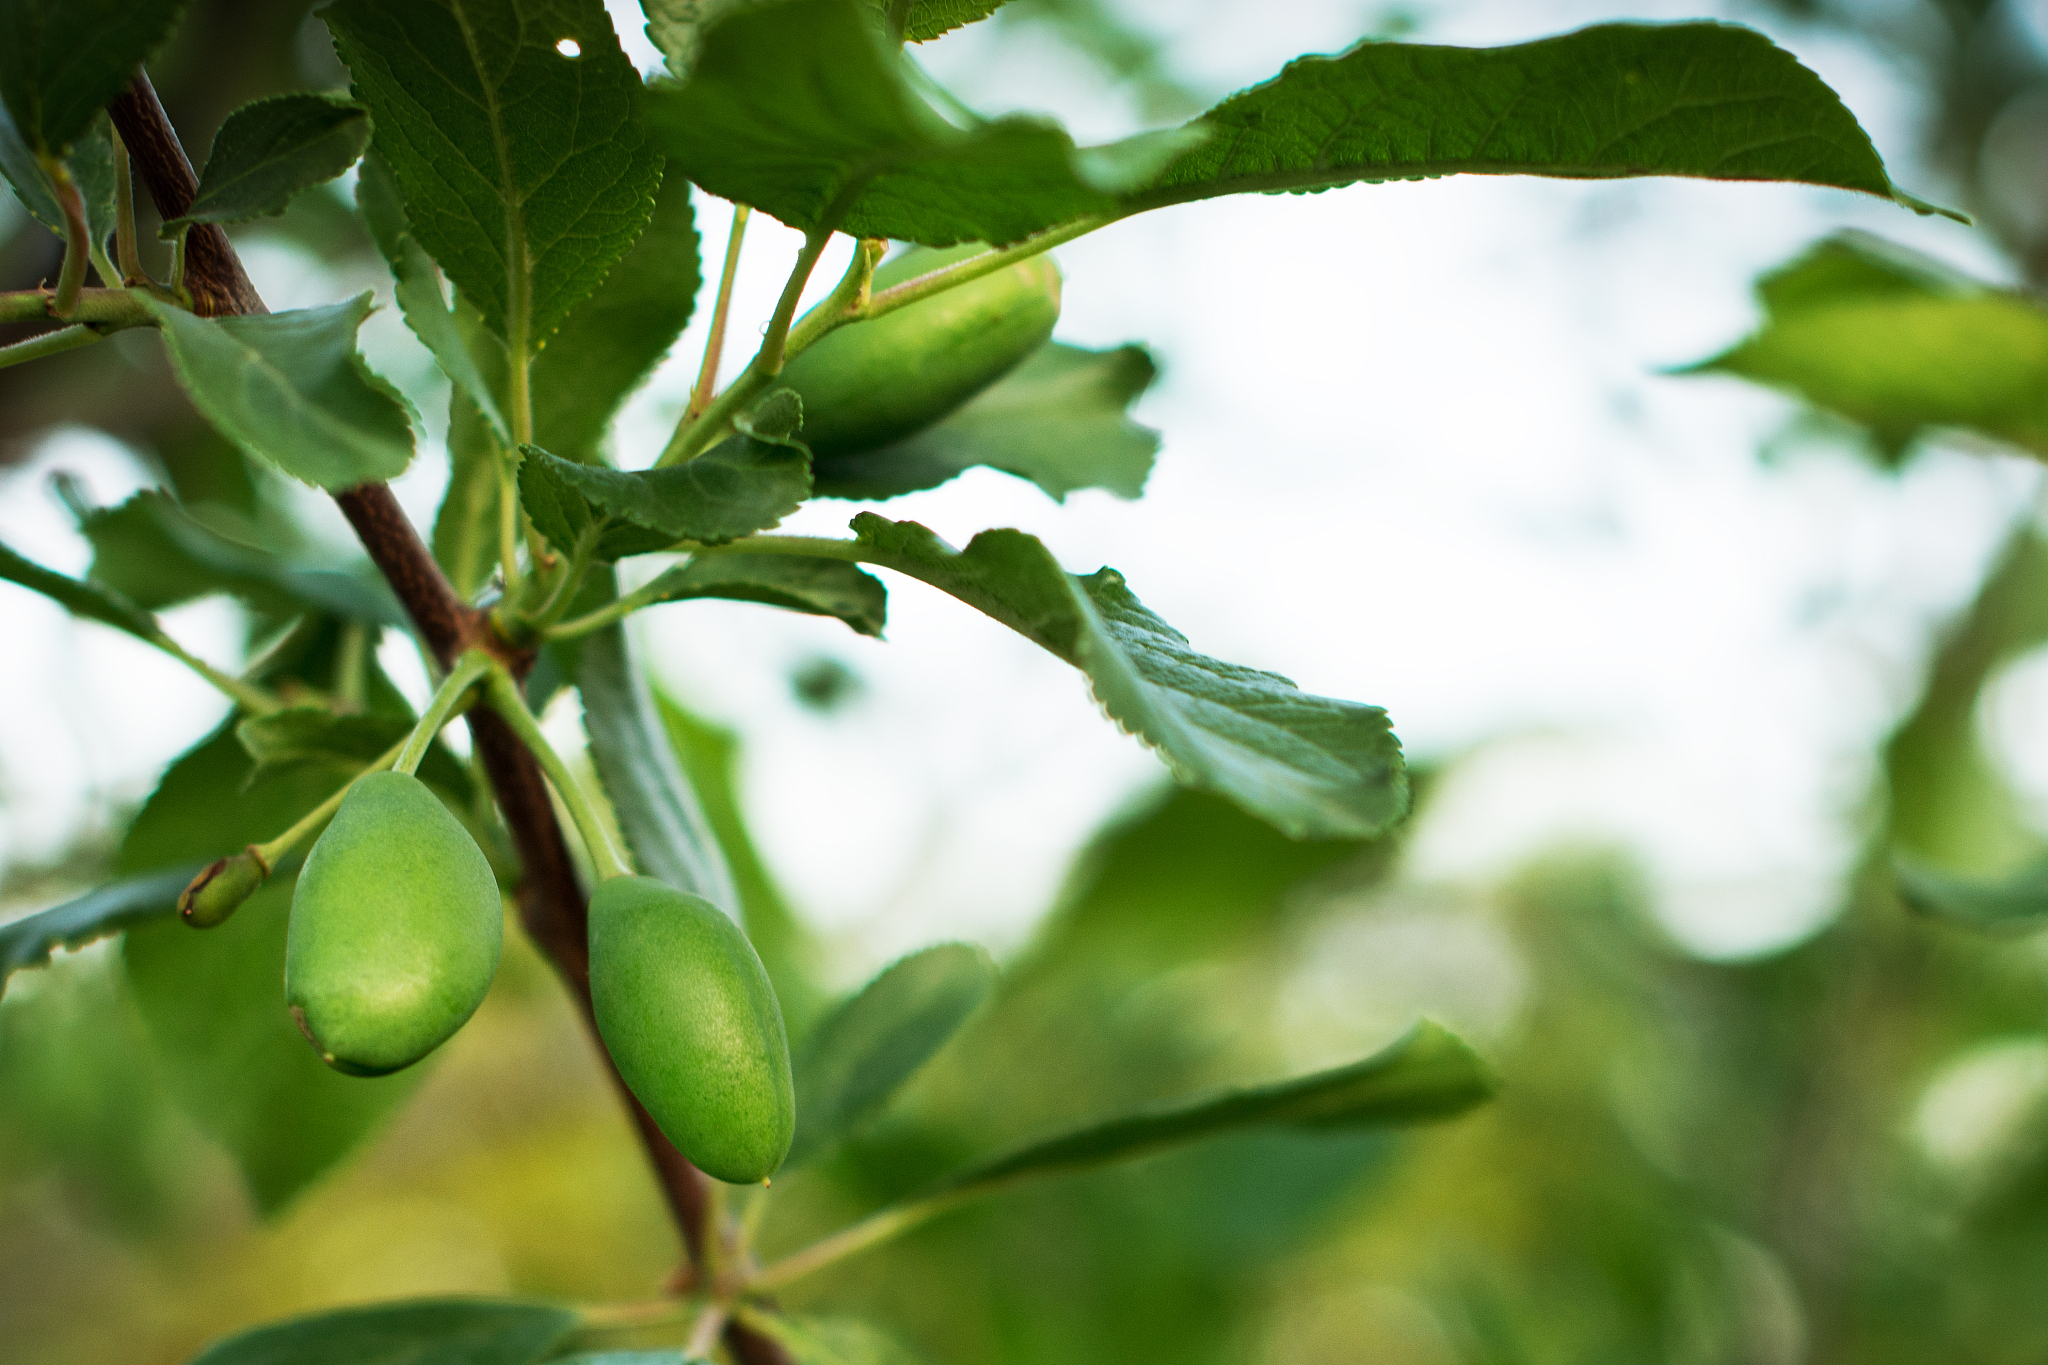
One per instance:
[(741, 485), (818, 587), (119, 905)]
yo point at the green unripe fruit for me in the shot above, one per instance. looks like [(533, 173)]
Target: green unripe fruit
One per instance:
[(395, 929), (873, 383), (221, 887), (687, 1013)]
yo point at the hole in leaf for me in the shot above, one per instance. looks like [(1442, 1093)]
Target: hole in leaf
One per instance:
[(569, 47)]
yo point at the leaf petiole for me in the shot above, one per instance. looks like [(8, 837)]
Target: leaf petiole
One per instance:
[(77, 238), (714, 345), (49, 343)]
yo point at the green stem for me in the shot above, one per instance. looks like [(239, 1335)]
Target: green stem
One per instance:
[(503, 697), (284, 843), (448, 698), (693, 436), (508, 522), (77, 238), (49, 343), (616, 610), (714, 345), (974, 267), (107, 309), (246, 695), (868, 1232)]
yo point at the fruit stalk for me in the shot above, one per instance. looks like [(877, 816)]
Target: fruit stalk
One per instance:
[(502, 695)]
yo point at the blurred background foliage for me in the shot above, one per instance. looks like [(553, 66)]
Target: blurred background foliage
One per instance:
[(1834, 1153)]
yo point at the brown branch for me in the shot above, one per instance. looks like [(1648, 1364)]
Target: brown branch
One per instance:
[(551, 901)]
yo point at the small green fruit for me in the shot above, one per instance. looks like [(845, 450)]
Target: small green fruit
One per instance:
[(686, 1011), (221, 887), (395, 929), (873, 383)]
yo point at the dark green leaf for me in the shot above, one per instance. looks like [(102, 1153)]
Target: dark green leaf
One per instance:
[(616, 337), (1427, 1075), (91, 163), (1699, 99), (822, 587), (426, 1332), (271, 149), (213, 1002), (291, 389), (657, 809), (1312, 766), (157, 554), (417, 287), (830, 1341), (315, 735), (62, 61), (523, 168), (1058, 420), (861, 1053), (466, 527), (1899, 344), (2016, 905), (741, 485), (802, 109), (929, 19), (25, 177), (29, 941), (80, 599)]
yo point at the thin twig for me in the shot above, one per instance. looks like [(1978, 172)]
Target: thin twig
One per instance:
[(714, 345)]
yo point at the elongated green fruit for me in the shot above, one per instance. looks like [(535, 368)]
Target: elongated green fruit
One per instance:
[(685, 1009), (873, 383), (395, 929)]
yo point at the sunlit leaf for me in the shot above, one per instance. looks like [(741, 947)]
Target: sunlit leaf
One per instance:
[(1312, 766), (292, 390), (271, 149), (862, 1052)]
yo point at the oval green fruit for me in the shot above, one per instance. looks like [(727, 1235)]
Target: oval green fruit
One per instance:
[(395, 929), (686, 1011), (873, 383)]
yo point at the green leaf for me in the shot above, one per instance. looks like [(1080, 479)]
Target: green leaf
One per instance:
[(80, 599), (346, 744), (29, 941), (1427, 1075), (741, 485), (1900, 344), (152, 551), (802, 109), (821, 587), (1058, 420), (25, 177), (829, 1341), (861, 1053), (628, 1358), (416, 284), (1311, 766), (657, 808), (268, 151), (616, 337), (91, 163), (2015, 905), (466, 527), (229, 1053), (928, 19), (426, 1332), (1707, 100), (62, 61), (523, 168), (291, 389)]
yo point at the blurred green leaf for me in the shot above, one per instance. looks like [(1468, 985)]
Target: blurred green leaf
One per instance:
[(313, 734), (1427, 1075), (25, 177), (416, 283), (521, 161), (214, 1002), (29, 941), (628, 1358), (62, 61), (1899, 344), (466, 527), (658, 810), (156, 553), (291, 389), (91, 163), (613, 340), (80, 599), (1314, 767), (860, 1054), (829, 1341), (1058, 420), (268, 151), (2014, 905), (802, 110), (821, 587), (427, 1332), (741, 485)]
